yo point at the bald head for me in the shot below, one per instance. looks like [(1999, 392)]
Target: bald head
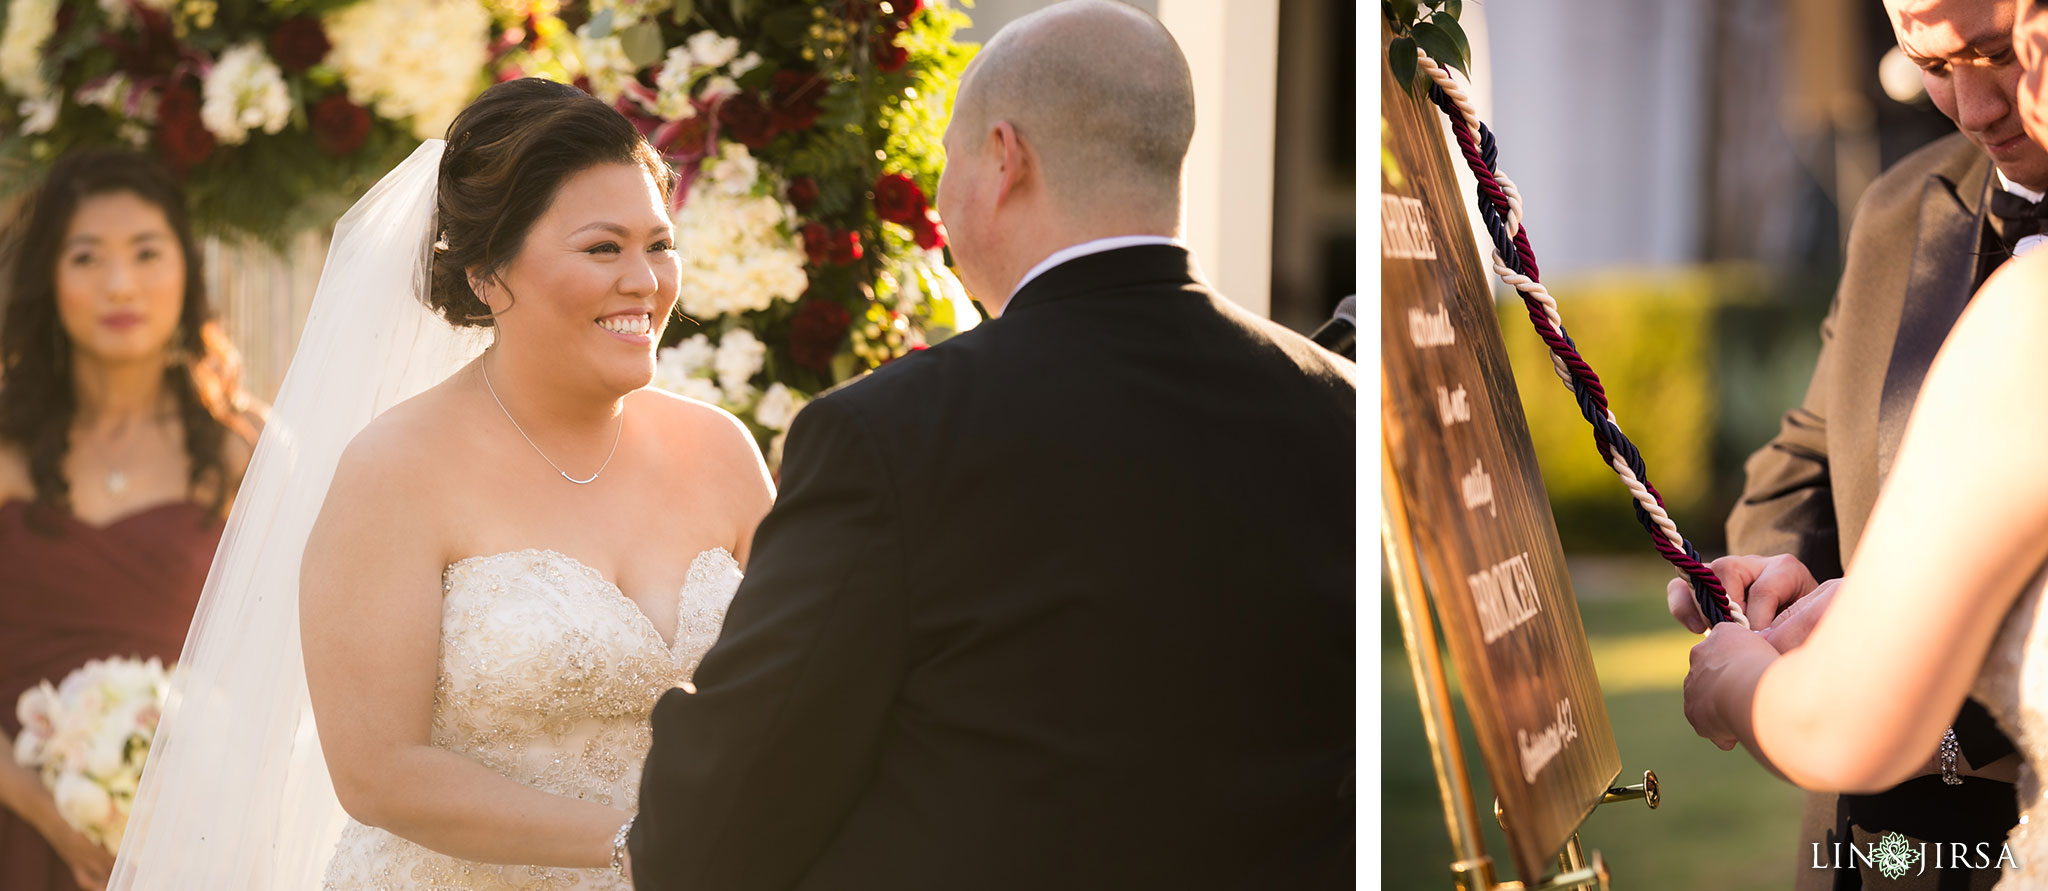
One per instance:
[(1101, 93)]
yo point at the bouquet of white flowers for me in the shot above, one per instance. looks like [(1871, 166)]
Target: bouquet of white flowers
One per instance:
[(88, 737)]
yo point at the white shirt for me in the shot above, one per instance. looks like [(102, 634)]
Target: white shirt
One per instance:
[(2030, 243), (1091, 247), (2018, 189)]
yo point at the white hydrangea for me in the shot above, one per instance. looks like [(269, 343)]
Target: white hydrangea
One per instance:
[(604, 63), (740, 355), (29, 25), (740, 251), (686, 369), (40, 115), (716, 86), (778, 407), (702, 389), (744, 64), (245, 91), (733, 171), (711, 49), (672, 86), (415, 59)]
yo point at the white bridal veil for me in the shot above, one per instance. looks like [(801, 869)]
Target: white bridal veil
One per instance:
[(236, 793)]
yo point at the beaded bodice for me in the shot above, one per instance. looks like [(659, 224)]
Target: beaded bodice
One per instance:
[(548, 675), (2013, 686)]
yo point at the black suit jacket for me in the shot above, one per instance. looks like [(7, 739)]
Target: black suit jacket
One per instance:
[(1064, 602), (1918, 249)]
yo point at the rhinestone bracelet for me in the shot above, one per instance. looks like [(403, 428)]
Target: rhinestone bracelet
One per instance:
[(1949, 748), (619, 847)]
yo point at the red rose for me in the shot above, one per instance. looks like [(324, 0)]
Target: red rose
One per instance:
[(299, 44), (901, 11), (743, 117), (890, 56), (182, 138), (898, 199), (835, 247), (844, 247), (339, 126), (815, 333), (929, 231), (803, 194), (797, 99)]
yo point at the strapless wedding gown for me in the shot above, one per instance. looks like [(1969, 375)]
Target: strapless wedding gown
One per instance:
[(548, 676), (2013, 686)]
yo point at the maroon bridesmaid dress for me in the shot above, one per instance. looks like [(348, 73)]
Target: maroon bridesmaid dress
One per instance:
[(128, 589)]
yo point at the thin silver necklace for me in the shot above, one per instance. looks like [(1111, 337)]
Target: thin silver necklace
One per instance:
[(485, 368)]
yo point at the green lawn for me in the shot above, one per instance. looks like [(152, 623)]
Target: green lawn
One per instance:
[(1724, 822)]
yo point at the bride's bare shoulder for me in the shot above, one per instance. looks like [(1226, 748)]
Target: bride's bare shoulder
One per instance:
[(2012, 304), (406, 451), (717, 441), (699, 422)]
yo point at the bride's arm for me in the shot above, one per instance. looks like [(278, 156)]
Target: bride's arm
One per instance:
[(370, 601), (1961, 526)]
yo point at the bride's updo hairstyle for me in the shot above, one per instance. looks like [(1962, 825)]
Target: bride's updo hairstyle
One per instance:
[(508, 154)]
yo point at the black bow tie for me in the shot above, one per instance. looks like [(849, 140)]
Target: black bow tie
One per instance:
[(2019, 217)]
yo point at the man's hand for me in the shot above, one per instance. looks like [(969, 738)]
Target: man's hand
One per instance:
[(1792, 626), (1762, 586)]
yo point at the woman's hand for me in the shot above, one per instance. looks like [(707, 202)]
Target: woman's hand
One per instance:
[(1721, 686), (91, 864)]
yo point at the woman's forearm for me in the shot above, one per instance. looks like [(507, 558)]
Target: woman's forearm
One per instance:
[(448, 803), (1822, 736), (22, 792)]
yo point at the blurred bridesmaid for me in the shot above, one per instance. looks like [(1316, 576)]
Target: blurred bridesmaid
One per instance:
[(123, 437)]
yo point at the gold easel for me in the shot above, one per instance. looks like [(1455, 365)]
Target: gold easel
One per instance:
[(1473, 869)]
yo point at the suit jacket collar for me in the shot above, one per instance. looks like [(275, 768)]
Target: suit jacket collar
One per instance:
[(1145, 265), (1939, 282)]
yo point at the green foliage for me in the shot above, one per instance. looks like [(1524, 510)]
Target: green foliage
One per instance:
[(1431, 25), (1650, 340), (1699, 367)]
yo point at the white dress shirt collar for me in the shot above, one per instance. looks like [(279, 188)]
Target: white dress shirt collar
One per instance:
[(2018, 189), (1090, 247)]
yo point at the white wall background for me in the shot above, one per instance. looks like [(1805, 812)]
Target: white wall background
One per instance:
[(1233, 52)]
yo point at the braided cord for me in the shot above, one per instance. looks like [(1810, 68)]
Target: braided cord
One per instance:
[(1500, 208)]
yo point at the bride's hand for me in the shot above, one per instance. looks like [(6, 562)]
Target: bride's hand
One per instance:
[(90, 863), (1721, 685), (1791, 627)]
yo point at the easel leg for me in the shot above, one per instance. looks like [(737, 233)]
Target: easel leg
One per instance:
[(1473, 869)]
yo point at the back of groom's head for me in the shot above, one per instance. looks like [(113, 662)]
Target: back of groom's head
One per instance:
[(1072, 123), (1099, 88)]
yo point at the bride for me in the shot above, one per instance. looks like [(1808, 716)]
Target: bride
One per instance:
[(506, 570)]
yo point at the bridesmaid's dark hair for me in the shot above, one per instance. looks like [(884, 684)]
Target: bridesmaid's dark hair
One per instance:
[(39, 399), (508, 154)]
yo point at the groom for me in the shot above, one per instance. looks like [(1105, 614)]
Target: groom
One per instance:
[(1065, 602), (1928, 232)]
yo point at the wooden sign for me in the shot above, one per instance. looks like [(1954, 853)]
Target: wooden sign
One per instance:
[(1480, 527)]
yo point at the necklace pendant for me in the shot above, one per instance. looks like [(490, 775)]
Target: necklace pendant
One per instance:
[(117, 482), (583, 482)]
